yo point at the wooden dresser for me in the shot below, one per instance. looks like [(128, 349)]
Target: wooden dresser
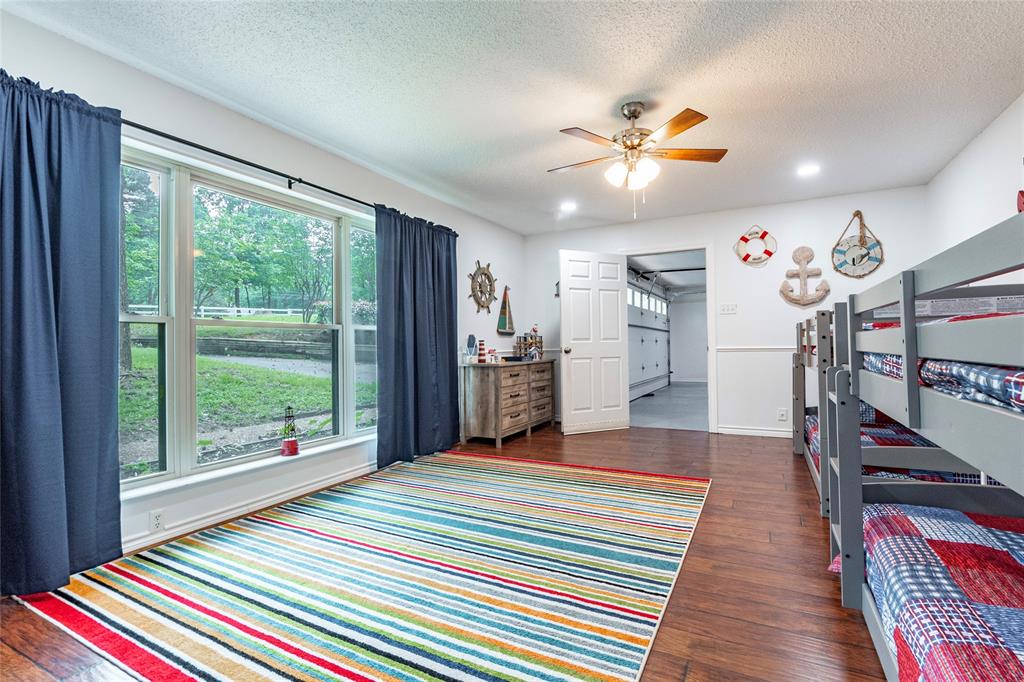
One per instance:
[(501, 399)]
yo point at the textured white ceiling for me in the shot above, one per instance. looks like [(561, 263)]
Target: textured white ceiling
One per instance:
[(464, 99)]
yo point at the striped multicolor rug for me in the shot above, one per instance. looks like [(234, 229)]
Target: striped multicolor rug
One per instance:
[(455, 567)]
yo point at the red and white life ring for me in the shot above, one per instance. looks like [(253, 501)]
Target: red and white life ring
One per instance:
[(755, 256)]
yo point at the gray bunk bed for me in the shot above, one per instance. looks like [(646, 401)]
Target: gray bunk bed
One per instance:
[(984, 436), (816, 351), (829, 334)]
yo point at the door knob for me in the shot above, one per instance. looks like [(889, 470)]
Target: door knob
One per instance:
[(566, 350)]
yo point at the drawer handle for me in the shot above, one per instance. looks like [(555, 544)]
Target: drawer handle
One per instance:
[(512, 375), (513, 416), (514, 395)]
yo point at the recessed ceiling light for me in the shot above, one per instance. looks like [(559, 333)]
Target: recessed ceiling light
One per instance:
[(806, 170), (567, 207)]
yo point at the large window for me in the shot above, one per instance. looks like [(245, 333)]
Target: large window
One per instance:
[(234, 311), (363, 268), (256, 269), (142, 332)]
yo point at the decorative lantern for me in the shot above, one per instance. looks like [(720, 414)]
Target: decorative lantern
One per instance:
[(290, 442)]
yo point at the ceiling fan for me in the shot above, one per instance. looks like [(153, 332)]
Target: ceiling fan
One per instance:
[(636, 148)]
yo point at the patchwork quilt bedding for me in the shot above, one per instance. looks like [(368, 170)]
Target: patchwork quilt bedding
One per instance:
[(998, 386), (950, 591), (882, 431)]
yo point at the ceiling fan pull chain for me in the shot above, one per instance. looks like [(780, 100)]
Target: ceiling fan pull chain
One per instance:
[(634, 205)]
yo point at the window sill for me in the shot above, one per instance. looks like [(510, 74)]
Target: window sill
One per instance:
[(271, 462)]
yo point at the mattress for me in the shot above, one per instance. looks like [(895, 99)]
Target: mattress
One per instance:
[(988, 384), (882, 431), (950, 591)]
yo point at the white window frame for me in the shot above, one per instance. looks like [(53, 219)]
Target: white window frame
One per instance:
[(176, 282)]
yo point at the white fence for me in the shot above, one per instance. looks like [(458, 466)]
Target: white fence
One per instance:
[(215, 312)]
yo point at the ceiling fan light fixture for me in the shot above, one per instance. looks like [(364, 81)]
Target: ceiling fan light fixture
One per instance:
[(636, 181), (616, 174), (647, 169)]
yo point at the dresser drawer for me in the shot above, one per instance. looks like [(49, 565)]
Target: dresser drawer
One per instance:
[(538, 390), (511, 376), (540, 373), (514, 395), (514, 417), (540, 409)]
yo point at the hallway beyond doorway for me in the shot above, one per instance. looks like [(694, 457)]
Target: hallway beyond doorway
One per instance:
[(681, 405)]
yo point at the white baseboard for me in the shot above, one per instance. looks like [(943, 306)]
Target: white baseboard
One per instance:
[(747, 431), (190, 525), (689, 381)]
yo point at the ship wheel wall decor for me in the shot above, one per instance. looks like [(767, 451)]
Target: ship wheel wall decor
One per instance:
[(482, 287)]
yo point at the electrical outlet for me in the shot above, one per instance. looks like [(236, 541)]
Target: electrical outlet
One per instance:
[(156, 520), (728, 308), (782, 415)]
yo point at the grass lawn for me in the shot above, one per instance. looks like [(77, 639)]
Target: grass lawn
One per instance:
[(228, 393)]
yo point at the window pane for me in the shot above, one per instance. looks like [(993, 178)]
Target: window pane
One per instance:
[(141, 399), (140, 241), (259, 262), (363, 252), (247, 376)]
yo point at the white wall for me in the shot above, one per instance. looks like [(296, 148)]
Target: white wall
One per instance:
[(688, 330), (751, 348), (978, 188), (28, 50)]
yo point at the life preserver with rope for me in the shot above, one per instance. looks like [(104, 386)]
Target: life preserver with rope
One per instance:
[(743, 251)]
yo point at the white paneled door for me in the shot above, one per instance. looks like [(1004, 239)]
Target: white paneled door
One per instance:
[(595, 347)]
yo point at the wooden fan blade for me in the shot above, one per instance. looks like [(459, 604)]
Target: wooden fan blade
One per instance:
[(588, 136), (710, 155), (685, 119), (581, 164)]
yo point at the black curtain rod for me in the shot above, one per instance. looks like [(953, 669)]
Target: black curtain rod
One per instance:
[(292, 180)]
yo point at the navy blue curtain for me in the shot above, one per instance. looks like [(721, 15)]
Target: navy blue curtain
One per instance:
[(417, 344), (60, 510)]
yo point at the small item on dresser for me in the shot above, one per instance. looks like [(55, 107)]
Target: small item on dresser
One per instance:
[(530, 345), (470, 347), (492, 355), (481, 351), (289, 434)]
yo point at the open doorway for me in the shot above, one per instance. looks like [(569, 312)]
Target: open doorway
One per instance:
[(668, 340)]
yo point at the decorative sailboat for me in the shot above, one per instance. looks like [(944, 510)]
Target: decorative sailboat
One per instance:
[(505, 325)]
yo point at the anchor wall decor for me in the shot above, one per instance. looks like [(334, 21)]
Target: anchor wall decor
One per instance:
[(802, 256)]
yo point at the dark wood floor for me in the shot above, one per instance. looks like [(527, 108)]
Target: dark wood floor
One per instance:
[(753, 602)]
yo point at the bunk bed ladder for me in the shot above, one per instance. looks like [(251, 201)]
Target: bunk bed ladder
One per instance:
[(826, 361), (847, 521), (799, 409), (855, 322), (908, 334), (841, 334)]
